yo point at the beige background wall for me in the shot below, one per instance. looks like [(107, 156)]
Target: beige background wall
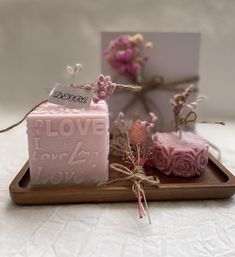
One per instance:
[(38, 38)]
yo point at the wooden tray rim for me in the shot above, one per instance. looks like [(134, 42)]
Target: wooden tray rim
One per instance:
[(229, 183)]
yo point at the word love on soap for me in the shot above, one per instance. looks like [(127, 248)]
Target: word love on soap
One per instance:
[(68, 146), (67, 127)]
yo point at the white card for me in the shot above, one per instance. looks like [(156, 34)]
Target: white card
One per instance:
[(71, 97)]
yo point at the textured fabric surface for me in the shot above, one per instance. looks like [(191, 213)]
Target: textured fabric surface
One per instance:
[(180, 228)]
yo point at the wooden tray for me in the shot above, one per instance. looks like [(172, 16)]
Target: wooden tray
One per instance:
[(216, 183)]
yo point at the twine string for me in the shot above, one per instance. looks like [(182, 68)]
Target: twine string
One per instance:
[(25, 116), (157, 83), (138, 177), (132, 88), (181, 122)]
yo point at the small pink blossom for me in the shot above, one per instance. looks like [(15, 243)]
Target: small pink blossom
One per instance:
[(146, 58), (138, 133), (125, 54), (87, 86), (104, 88)]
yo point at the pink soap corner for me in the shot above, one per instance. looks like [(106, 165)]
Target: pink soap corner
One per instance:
[(68, 146), (186, 157)]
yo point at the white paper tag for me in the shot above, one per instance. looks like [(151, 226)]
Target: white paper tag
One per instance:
[(71, 97)]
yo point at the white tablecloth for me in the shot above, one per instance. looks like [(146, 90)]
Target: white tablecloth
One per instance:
[(182, 228)]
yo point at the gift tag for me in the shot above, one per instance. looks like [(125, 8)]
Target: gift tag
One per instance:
[(71, 97)]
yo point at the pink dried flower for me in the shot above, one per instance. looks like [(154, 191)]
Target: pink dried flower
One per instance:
[(146, 58), (102, 95), (101, 78), (87, 86), (183, 112), (152, 117), (120, 118), (125, 54), (138, 133), (104, 88), (187, 91)]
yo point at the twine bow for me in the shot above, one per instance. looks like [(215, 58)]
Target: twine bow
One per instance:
[(138, 177), (157, 83), (181, 122)]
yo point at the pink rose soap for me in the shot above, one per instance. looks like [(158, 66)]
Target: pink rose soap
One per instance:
[(181, 157), (68, 146)]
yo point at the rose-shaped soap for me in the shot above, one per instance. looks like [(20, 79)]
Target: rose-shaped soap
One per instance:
[(181, 157)]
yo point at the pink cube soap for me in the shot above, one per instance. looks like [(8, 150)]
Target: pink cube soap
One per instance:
[(180, 157), (68, 146)]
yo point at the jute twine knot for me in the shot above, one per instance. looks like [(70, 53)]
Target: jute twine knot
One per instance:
[(137, 174), (182, 121), (138, 177), (157, 82)]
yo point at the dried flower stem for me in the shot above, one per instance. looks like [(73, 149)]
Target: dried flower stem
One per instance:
[(146, 204), (138, 154), (214, 122), (129, 150), (132, 88), (179, 104)]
